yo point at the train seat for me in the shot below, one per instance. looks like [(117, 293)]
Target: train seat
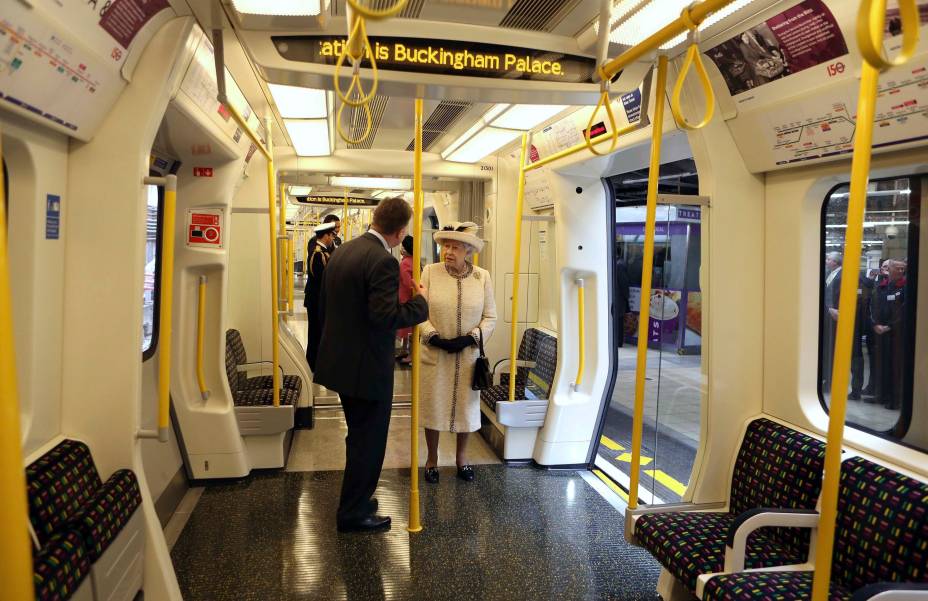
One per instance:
[(61, 569), (512, 426), (265, 429), (66, 493), (881, 544), (776, 467)]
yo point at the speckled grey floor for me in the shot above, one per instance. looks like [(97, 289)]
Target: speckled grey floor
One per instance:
[(515, 533)]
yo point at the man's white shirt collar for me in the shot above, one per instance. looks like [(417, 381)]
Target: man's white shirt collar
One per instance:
[(381, 238)]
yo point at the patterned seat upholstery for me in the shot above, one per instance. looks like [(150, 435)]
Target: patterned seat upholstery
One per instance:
[(60, 483), (60, 567), (776, 467), (531, 383), (881, 536), (105, 515), (250, 392)]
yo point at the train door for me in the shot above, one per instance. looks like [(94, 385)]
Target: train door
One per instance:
[(675, 378)]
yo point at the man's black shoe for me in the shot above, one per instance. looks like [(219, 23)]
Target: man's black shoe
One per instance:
[(854, 396), (371, 523)]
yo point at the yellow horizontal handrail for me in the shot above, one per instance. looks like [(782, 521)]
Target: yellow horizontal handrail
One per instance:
[(693, 58), (201, 336), (16, 550), (375, 15), (695, 15), (237, 117), (581, 334), (870, 40), (579, 147)]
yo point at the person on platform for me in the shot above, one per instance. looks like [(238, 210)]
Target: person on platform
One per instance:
[(360, 313), (318, 259), (861, 323), (406, 288), (830, 317), (462, 309), (888, 313)]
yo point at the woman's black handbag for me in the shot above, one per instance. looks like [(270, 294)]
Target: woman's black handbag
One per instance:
[(483, 375)]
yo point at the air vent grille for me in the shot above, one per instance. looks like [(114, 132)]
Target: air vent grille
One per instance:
[(443, 118), (355, 117), (537, 15), (412, 10)]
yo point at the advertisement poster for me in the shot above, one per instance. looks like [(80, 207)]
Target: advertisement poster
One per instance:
[(798, 38), (893, 23), (669, 326)]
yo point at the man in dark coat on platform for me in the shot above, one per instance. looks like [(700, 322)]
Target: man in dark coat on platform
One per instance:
[(360, 312)]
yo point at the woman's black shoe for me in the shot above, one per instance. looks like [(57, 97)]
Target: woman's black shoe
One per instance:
[(431, 475), (466, 473)]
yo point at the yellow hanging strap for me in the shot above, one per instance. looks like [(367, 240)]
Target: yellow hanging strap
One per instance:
[(373, 14), (415, 523), (870, 40), (604, 102), (647, 266), (201, 336), (871, 20), (355, 96), (693, 58), (16, 550)]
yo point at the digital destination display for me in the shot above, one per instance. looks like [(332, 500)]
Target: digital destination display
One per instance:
[(447, 57)]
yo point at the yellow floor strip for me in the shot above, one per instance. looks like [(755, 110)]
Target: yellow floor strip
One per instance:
[(611, 444), (627, 458), (612, 485), (667, 480)]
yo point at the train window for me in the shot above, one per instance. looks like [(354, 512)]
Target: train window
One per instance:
[(150, 291), (883, 353)]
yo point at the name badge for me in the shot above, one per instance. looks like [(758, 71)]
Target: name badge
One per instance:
[(859, 292), (890, 297)]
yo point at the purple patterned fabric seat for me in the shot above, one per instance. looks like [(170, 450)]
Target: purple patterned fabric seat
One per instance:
[(105, 515), (881, 537), (776, 467), (60, 567), (531, 383), (257, 391)]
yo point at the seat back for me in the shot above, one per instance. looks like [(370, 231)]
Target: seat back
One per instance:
[(527, 349), (542, 375), (59, 483), (777, 467), (235, 356), (882, 528)]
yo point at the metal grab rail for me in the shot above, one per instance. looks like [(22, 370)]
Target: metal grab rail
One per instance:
[(578, 147), (286, 266), (870, 41), (201, 336), (166, 305), (415, 522), (517, 259), (219, 58), (647, 266), (581, 334), (872, 17), (275, 300), (16, 552), (346, 233)]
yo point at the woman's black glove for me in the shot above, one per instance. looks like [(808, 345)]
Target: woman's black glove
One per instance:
[(452, 345)]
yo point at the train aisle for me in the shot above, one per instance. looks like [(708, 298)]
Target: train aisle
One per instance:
[(513, 533)]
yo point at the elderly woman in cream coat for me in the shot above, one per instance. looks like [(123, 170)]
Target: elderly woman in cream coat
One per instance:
[(462, 308)]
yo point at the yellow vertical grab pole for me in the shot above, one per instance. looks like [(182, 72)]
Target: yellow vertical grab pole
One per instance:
[(345, 233), (847, 302), (16, 550), (415, 522), (516, 263), (201, 336), (272, 207), (647, 267), (284, 250), (581, 334)]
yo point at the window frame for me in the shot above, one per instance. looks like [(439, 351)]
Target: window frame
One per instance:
[(898, 431), (156, 290)]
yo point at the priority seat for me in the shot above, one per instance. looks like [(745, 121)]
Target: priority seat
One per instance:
[(67, 496), (513, 425), (259, 390), (61, 568), (776, 467), (880, 549)]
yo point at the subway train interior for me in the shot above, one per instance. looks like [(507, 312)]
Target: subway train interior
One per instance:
[(747, 174)]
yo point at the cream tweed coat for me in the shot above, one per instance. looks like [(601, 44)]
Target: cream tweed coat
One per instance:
[(457, 307)]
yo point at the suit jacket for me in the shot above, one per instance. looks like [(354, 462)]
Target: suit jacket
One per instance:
[(360, 313)]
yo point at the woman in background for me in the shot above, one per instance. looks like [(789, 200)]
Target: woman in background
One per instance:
[(406, 288), (462, 309)]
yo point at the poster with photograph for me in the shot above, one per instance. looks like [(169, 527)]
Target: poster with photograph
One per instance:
[(800, 37)]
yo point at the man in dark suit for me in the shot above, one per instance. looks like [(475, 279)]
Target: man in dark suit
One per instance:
[(360, 313), (861, 324)]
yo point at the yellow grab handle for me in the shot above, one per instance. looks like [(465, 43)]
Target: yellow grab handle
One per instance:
[(581, 341), (201, 336), (870, 22), (693, 57), (415, 521), (375, 15), (605, 101), (359, 29), (368, 119)]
